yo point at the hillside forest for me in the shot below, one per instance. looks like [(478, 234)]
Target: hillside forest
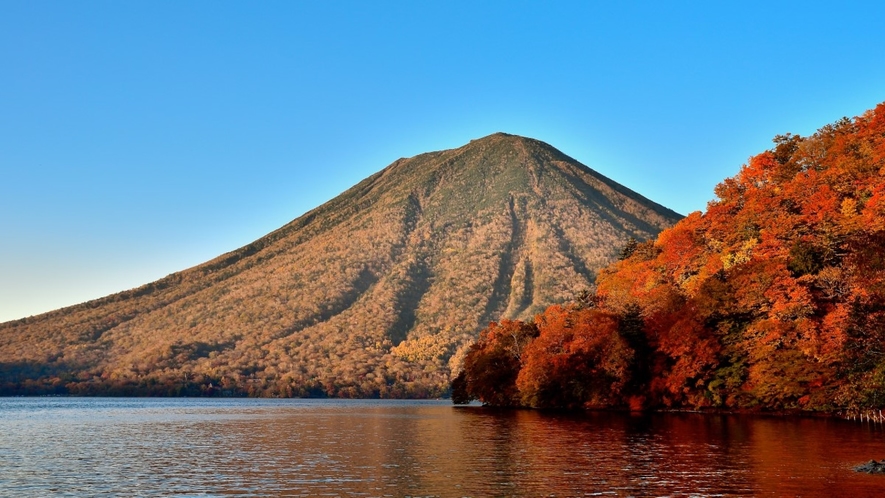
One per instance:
[(773, 299)]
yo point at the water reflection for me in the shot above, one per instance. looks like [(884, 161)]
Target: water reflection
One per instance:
[(81, 447)]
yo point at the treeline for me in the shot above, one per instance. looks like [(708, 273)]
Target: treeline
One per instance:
[(773, 299), (35, 379)]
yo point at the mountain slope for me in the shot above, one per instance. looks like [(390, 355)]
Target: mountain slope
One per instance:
[(375, 293)]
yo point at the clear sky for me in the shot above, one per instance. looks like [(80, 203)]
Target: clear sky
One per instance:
[(141, 138)]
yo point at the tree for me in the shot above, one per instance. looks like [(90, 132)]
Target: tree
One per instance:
[(493, 363), (578, 360)]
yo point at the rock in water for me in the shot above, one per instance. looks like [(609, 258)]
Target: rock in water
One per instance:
[(872, 467)]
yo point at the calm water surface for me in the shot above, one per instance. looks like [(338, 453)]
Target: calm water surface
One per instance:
[(204, 447)]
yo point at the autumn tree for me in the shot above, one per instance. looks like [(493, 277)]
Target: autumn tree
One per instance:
[(578, 360), (493, 363)]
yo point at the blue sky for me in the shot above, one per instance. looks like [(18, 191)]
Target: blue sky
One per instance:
[(141, 138)]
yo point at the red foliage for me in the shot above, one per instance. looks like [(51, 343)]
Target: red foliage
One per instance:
[(494, 361), (579, 359)]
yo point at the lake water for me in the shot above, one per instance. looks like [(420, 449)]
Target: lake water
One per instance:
[(247, 447)]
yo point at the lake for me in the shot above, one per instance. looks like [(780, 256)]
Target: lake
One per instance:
[(250, 447)]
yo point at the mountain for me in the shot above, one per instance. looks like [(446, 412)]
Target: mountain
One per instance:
[(378, 292)]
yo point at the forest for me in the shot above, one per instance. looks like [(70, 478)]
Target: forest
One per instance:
[(771, 300)]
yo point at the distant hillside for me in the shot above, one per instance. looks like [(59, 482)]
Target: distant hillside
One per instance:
[(375, 293)]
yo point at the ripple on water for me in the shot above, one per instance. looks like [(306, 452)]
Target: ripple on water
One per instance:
[(133, 447)]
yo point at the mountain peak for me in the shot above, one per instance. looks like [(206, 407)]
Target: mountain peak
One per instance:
[(498, 135), (506, 139)]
